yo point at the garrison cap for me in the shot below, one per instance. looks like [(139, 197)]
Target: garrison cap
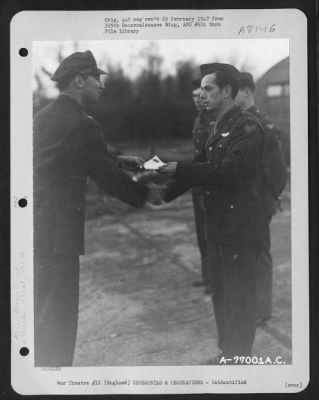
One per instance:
[(196, 83), (246, 80), (77, 63), (214, 67)]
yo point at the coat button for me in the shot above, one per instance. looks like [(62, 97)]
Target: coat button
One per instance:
[(232, 206), (210, 148)]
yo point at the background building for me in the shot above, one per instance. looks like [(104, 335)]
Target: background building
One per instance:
[(273, 99)]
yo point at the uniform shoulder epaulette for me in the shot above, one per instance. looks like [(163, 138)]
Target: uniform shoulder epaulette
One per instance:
[(248, 118), (244, 115), (249, 121)]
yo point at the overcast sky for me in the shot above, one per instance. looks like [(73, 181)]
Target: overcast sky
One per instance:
[(257, 55)]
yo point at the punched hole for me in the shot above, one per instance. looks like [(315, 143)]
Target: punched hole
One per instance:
[(24, 351), (23, 52), (22, 203)]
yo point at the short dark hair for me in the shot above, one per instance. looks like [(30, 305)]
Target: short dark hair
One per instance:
[(224, 78)]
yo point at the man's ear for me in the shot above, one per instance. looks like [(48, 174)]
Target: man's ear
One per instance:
[(78, 81), (227, 91)]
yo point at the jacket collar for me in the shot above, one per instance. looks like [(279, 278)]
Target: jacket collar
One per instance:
[(69, 102), (224, 125), (227, 119), (206, 117)]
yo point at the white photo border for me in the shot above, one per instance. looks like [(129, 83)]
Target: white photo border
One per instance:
[(30, 26)]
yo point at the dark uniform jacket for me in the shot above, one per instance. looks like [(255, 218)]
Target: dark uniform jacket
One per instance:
[(229, 167), (267, 197), (202, 127), (68, 147)]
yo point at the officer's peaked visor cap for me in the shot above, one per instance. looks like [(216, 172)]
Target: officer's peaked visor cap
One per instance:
[(206, 69), (77, 63)]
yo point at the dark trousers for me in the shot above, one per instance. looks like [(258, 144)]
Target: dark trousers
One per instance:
[(200, 224), (264, 276), (234, 296), (56, 298)]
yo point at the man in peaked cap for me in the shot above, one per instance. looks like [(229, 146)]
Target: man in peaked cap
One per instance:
[(267, 192), (201, 129), (69, 147), (77, 63), (228, 167)]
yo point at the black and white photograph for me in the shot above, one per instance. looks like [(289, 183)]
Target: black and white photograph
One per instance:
[(166, 228), (149, 273)]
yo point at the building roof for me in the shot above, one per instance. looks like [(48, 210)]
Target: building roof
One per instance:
[(278, 73)]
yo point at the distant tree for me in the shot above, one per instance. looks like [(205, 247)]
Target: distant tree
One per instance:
[(149, 95), (185, 72), (117, 87)]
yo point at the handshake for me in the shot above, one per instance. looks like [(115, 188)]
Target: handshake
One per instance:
[(134, 163), (153, 173), (158, 182)]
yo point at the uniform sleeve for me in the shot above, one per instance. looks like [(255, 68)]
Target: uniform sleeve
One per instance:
[(174, 190), (103, 168), (177, 187), (241, 161)]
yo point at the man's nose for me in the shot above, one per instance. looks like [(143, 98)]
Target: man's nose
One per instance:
[(202, 95)]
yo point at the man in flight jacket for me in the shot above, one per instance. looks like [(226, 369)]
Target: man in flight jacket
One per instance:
[(228, 168), (268, 191)]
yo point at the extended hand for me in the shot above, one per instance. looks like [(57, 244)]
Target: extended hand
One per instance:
[(131, 163), (169, 169)]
